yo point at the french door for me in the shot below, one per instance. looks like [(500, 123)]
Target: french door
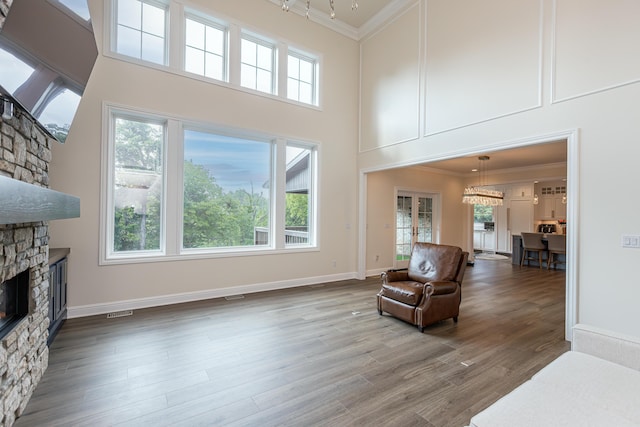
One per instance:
[(415, 222)]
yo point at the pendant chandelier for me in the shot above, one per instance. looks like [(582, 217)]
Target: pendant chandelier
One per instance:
[(332, 13), (479, 195)]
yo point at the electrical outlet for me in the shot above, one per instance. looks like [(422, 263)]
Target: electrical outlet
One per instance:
[(334, 263), (630, 241), (377, 258)]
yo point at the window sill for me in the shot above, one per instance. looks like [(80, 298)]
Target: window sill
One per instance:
[(191, 255)]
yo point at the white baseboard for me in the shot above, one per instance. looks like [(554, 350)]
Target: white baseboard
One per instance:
[(156, 301)]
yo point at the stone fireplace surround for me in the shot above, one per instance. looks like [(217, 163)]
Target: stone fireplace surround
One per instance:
[(25, 153)]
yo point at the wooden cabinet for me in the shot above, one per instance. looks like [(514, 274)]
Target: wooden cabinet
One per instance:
[(57, 291)]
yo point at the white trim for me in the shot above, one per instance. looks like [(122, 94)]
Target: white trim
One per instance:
[(140, 303), (573, 216), (362, 224)]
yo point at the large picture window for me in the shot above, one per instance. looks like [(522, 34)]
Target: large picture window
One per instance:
[(226, 191), (177, 189), (137, 193)]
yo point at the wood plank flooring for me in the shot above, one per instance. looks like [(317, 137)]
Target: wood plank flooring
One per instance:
[(316, 355)]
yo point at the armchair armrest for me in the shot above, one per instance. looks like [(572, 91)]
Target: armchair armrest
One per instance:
[(394, 276), (440, 288)]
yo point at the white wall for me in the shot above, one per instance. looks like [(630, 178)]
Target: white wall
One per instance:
[(586, 58), (76, 168)]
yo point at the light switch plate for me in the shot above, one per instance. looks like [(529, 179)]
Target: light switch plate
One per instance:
[(630, 241)]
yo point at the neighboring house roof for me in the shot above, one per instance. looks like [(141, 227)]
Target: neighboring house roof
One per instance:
[(297, 173)]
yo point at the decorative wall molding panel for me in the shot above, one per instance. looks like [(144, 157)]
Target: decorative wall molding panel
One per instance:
[(602, 38)]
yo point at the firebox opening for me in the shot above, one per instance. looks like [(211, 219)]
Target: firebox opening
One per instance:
[(14, 302)]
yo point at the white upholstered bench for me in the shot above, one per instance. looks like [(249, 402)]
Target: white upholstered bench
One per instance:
[(597, 383)]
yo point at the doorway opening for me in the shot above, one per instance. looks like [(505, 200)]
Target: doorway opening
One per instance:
[(450, 200)]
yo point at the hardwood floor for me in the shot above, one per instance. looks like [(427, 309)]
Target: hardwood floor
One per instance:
[(316, 355)]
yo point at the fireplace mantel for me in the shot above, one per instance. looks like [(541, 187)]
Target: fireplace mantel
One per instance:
[(21, 202)]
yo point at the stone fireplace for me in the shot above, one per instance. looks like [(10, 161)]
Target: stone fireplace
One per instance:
[(25, 153)]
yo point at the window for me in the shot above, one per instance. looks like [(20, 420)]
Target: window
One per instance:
[(216, 191), (141, 30), (256, 68), (482, 214), (301, 72), (205, 49), (144, 32), (138, 185), (79, 8), (58, 112), (226, 191), (299, 181), (14, 71)]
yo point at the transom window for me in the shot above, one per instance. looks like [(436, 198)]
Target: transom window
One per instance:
[(257, 58), (141, 30), (205, 49), (219, 50), (301, 78)]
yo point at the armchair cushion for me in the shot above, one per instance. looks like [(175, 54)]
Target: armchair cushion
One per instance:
[(406, 291), (430, 262)]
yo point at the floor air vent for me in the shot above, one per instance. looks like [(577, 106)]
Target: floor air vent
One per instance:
[(234, 297), (119, 314)]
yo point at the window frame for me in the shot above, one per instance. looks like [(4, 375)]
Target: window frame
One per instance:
[(171, 239), (264, 42), (108, 202), (302, 56), (211, 22), (112, 47), (217, 131)]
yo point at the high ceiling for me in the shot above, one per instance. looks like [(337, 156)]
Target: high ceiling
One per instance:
[(352, 23), (522, 157), (358, 22), (367, 9)]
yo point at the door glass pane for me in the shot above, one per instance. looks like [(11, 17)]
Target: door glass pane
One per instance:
[(404, 228), (425, 219)]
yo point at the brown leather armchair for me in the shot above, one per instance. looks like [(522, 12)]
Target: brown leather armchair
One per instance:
[(429, 290)]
